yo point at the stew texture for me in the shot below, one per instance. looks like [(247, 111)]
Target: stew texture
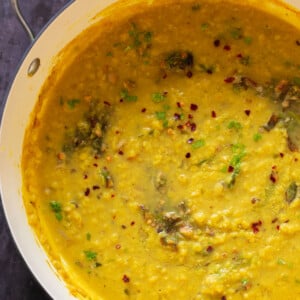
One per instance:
[(163, 161)]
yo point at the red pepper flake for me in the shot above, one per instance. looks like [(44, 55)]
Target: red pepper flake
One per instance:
[(121, 100), (107, 103), (165, 93), (230, 169), (96, 187), (190, 141), (132, 223), (278, 227), (123, 226), (112, 196), (255, 226), (95, 165), (223, 298), (248, 112), (298, 42), (281, 154), (227, 48), (209, 249), (274, 177), (254, 200), (178, 104), (239, 55), (193, 127), (85, 176), (188, 155), (96, 157), (193, 107), (114, 217), (190, 116), (125, 278), (274, 220), (217, 43), (189, 74), (176, 116), (87, 191), (143, 110), (274, 167), (180, 127), (296, 159), (121, 152), (165, 75), (118, 246), (213, 114), (117, 132), (229, 79)]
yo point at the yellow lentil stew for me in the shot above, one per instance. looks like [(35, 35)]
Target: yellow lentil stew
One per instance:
[(163, 163)]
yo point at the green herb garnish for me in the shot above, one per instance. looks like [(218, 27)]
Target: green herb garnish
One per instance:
[(73, 102), (198, 144), (57, 209), (257, 137), (158, 97), (90, 255), (126, 97), (234, 125)]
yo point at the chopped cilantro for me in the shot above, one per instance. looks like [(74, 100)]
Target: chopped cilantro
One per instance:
[(234, 125), (257, 137), (248, 40), (198, 144), (57, 209), (148, 36), (204, 26), (158, 97), (90, 255), (245, 60), (88, 236), (73, 102), (126, 97), (160, 115), (236, 33), (109, 53)]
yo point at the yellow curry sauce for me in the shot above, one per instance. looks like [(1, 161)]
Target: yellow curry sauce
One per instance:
[(164, 163)]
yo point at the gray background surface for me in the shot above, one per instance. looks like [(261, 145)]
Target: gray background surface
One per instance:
[(16, 281)]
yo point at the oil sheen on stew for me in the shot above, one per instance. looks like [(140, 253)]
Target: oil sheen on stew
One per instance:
[(163, 162)]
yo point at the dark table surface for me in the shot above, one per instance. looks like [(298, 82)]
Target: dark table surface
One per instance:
[(16, 280)]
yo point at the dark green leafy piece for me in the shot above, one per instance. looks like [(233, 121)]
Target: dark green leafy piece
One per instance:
[(291, 192), (181, 60), (90, 255), (57, 209)]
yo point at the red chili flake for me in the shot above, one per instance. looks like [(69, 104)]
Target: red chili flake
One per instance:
[(132, 223), (178, 104), (274, 167), (254, 200), (273, 177), (227, 48), (165, 93), (87, 191), (143, 110), (123, 226), (117, 132), (190, 116), (176, 116), (209, 249), (180, 127), (188, 155), (296, 159), (286, 221), (193, 127), (189, 74), (107, 103), (255, 226), (165, 75), (121, 152), (118, 246), (223, 298), (298, 42), (217, 43), (125, 278), (96, 187), (239, 55), (230, 169), (121, 100), (248, 112), (213, 114), (193, 107), (278, 227), (96, 157), (229, 79), (95, 165), (190, 141), (274, 220), (281, 154), (85, 176), (114, 217), (112, 196)]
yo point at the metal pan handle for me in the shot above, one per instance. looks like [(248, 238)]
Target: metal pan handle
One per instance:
[(15, 6)]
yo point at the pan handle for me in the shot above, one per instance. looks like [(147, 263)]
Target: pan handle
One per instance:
[(15, 6)]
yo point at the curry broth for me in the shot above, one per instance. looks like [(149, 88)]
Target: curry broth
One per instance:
[(163, 164)]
